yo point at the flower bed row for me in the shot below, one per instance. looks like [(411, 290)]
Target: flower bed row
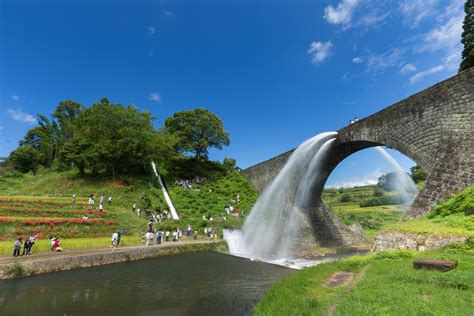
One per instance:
[(42, 205), (9, 199), (32, 222), (36, 212), (65, 227)]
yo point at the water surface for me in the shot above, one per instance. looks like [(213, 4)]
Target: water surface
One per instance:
[(187, 284)]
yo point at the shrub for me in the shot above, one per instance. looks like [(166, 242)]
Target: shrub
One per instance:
[(461, 203), (382, 200), (395, 254), (345, 198)]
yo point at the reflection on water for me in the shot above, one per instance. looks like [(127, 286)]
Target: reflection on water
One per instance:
[(192, 284)]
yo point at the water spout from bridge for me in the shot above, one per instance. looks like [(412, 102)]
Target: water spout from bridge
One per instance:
[(173, 212), (270, 230), (402, 182)]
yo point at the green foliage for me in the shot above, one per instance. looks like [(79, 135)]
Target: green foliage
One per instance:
[(15, 271), (25, 159), (388, 181), (123, 141), (197, 131), (467, 37), (345, 198), (417, 174), (394, 254), (230, 162), (378, 192), (393, 199), (462, 202)]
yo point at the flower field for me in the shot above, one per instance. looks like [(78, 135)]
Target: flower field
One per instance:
[(20, 216)]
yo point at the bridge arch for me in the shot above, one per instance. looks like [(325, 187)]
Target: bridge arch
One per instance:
[(433, 127)]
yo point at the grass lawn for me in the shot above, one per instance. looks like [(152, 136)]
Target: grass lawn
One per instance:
[(388, 285)]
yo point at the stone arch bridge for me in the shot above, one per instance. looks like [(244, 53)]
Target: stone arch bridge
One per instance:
[(433, 127)]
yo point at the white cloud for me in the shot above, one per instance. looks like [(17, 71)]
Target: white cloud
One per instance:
[(367, 179), (20, 116), (342, 14), (155, 96), (15, 97), (415, 11), (378, 63), (423, 74), (407, 68), (168, 13), (357, 60), (320, 51), (151, 30)]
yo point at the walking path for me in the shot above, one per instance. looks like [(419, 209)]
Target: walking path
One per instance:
[(39, 263), (4, 259)]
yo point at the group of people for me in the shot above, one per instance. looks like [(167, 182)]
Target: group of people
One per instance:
[(102, 200), (29, 242), (188, 184), (164, 235)]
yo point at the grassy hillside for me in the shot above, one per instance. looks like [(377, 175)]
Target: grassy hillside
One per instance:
[(448, 218), (345, 203), (42, 203)]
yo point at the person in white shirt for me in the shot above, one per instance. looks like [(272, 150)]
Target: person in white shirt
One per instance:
[(114, 239)]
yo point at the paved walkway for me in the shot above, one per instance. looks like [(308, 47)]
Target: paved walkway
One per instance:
[(5, 259)]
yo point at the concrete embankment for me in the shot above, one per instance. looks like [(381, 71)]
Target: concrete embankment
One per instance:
[(53, 262)]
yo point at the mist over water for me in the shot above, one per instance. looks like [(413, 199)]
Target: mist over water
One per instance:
[(403, 183), (277, 215)]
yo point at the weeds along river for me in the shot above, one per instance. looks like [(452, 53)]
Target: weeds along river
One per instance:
[(204, 283)]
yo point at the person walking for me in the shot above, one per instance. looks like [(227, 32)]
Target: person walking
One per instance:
[(134, 207), (119, 235), (114, 239), (17, 247), (109, 200), (31, 240), (167, 235), (159, 236)]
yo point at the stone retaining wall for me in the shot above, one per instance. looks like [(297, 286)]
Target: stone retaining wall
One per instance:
[(62, 262), (388, 240)]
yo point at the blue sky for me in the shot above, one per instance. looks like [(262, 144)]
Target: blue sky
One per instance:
[(276, 72)]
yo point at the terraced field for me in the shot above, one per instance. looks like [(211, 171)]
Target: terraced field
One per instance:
[(22, 215)]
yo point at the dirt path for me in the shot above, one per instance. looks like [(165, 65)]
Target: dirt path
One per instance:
[(348, 281)]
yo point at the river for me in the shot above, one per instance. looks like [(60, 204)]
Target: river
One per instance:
[(204, 283)]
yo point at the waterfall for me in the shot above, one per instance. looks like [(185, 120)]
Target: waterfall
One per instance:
[(404, 184), (174, 214), (276, 218)]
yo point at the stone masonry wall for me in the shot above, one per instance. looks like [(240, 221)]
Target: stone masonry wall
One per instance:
[(434, 128)]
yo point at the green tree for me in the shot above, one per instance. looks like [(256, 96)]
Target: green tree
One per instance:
[(467, 39), (25, 159), (110, 139), (197, 131), (230, 162), (44, 139), (417, 174)]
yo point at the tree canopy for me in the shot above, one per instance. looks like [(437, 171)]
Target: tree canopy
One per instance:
[(197, 131), (467, 39), (108, 139)]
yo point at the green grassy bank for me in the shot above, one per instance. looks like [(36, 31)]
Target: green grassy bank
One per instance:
[(385, 283)]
